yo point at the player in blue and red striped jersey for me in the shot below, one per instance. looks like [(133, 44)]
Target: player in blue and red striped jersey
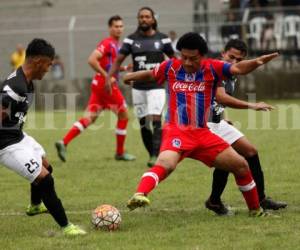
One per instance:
[(192, 83), (101, 60)]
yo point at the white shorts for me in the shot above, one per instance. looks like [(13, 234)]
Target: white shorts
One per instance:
[(226, 131), (148, 102), (24, 157)]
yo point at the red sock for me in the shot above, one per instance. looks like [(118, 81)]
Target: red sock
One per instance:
[(151, 179), (77, 128), (121, 135), (248, 187)]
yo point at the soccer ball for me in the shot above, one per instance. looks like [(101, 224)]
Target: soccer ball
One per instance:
[(106, 217)]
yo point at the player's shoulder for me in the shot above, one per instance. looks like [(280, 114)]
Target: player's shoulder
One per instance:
[(173, 63), (161, 35), (15, 82)]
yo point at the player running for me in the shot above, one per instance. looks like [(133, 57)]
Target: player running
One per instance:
[(147, 46), (234, 52), (101, 59), (192, 83), (20, 152)]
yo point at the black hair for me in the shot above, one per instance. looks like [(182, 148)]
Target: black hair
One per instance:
[(113, 19), (40, 47), (154, 26), (192, 40), (236, 44)]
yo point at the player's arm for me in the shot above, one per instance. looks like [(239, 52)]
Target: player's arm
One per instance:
[(93, 61), (223, 98), (247, 66), (142, 75), (113, 70), (3, 113)]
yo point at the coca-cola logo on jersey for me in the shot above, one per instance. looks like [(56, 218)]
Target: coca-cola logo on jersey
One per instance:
[(189, 86)]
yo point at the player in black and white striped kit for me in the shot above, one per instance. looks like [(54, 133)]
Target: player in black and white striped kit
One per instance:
[(235, 51), (148, 48), (20, 152)]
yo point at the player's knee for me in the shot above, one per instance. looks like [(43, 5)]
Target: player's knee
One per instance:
[(242, 167), (251, 151), (123, 115), (46, 182), (50, 169)]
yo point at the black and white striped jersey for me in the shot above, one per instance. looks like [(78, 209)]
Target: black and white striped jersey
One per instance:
[(217, 113), (147, 52), (16, 96)]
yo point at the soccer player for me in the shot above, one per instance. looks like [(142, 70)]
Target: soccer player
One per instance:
[(147, 46), (235, 51), (192, 83), (101, 60), (20, 152)]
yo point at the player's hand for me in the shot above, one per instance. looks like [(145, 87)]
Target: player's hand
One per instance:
[(262, 106), (108, 84), (129, 67), (266, 58)]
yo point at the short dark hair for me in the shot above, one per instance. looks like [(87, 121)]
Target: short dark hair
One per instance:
[(40, 47), (154, 26), (236, 44), (192, 40), (113, 19)]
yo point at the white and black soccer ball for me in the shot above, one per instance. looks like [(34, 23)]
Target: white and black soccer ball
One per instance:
[(106, 217)]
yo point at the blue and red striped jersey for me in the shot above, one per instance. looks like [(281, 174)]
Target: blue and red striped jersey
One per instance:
[(190, 95)]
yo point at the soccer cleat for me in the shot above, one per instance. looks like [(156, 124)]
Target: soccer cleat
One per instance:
[(125, 157), (73, 230), (268, 203), (61, 150), (151, 161), (261, 213), (138, 200), (36, 209), (218, 208)]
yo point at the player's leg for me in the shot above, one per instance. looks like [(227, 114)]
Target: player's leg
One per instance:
[(139, 100), (246, 149), (21, 158), (116, 102), (229, 134), (229, 160), (93, 109), (155, 103), (165, 164)]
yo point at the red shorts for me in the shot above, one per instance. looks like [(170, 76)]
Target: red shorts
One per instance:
[(100, 99), (199, 144)]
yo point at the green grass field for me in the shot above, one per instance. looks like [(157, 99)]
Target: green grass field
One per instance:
[(177, 218)]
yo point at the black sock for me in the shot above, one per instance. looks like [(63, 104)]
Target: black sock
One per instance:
[(146, 135), (258, 175), (35, 194), (156, 137), (51, 201), (220, 178)]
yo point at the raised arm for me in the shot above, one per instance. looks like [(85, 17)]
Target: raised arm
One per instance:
[(246, 66), (229, 101), (143, 75)]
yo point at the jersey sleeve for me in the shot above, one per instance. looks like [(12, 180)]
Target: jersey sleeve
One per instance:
[(222, 70), (102, 47), (126, 46), (10, 96), (160, 72), (167, 46)]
